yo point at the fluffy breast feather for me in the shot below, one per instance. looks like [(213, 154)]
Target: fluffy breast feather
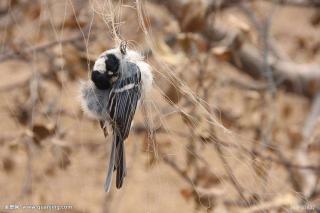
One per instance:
[(94, 101)]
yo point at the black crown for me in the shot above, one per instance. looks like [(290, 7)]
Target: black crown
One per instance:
[(112, 63)]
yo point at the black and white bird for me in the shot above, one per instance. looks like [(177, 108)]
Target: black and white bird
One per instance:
[(120, 79)]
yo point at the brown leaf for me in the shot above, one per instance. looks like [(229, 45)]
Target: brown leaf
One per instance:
[(286, 111), (50, 171), (74, 22), (315, 19), (173, 94), (186, 193), (34, 11), (316, 48), (8, 164), (222, 53), (193, 17), (207, 179), (295, 137), (21, 113), (42, 131)]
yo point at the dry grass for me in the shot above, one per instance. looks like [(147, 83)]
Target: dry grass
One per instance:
[(217, 138)]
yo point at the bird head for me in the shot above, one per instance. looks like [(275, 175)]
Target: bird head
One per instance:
[(105, 71)]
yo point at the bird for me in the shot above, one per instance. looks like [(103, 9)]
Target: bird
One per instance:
[(119, 81)]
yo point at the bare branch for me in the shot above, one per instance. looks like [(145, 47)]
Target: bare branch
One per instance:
[(230, 173), (41, 47)]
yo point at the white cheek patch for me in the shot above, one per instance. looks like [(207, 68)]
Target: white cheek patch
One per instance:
[(110, 73), (99, 65)]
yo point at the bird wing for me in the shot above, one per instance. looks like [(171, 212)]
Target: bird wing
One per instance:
[(123, 101)]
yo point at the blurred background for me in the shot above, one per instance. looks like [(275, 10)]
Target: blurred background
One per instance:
[(232, 123)]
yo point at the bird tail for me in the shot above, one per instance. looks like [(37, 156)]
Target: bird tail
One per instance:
[(117, 162), (120, 162), (108, 182)]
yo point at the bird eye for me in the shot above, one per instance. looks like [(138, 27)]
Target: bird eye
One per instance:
[(112, 63)]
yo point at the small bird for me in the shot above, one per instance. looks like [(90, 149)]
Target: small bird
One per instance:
[(120, 79)]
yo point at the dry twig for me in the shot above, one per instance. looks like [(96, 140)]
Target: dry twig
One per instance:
[(43, 47)]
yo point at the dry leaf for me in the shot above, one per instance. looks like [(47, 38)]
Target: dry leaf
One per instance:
[(50, 171), (186, 193), (315, 19), (295, 136), (8, 164), (34, 11), (222, 53), (207, 179), (42, 131), (74, 22), (193, 17), (21, 113), (173, 94)]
